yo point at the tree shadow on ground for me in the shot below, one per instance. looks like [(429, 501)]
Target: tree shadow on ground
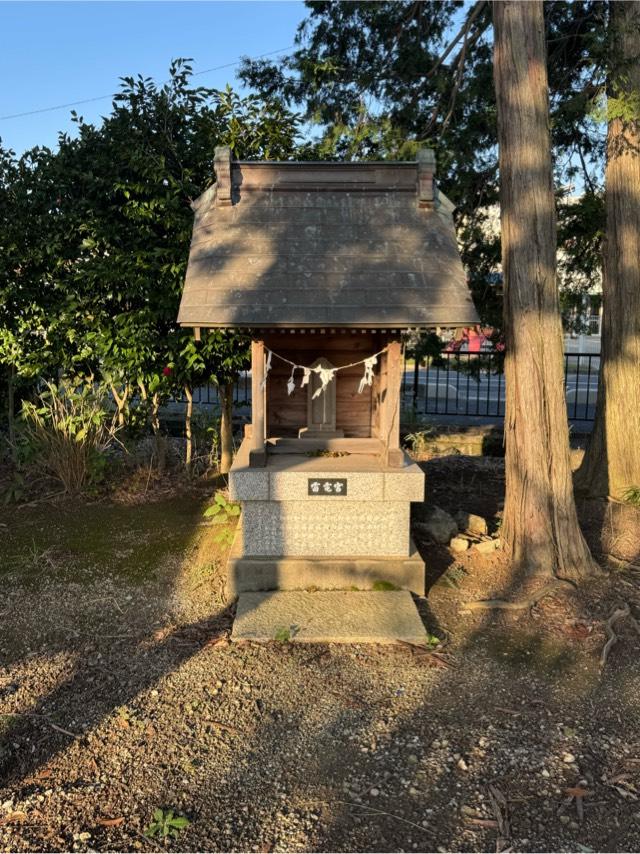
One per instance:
[(328, 747)]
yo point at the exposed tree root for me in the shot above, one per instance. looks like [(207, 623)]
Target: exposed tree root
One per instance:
[(612, 638), (519, 604)]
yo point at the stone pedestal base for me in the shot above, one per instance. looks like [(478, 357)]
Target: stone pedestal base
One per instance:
[(250, 573), (324, 522)]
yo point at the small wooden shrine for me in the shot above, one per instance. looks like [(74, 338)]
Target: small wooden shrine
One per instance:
[(326, 266)]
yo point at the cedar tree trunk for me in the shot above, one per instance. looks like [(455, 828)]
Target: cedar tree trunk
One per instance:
[(611, 464), (540, 528)]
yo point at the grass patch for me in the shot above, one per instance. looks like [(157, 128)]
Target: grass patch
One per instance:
[(78, 541), (384, 585)]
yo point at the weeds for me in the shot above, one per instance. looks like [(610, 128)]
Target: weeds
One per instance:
[(223, 512), (383, 585), (166, 824), (632, 496), (68, 431), (420, 440)]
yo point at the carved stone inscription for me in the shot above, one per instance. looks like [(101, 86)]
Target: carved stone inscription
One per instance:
[(327, 486)]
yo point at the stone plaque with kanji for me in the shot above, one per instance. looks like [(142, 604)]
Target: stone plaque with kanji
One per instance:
[(327, 486)]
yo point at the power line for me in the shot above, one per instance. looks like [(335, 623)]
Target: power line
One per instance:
[(104, 97)]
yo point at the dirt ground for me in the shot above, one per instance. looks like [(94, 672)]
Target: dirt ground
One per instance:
[(120, 694)]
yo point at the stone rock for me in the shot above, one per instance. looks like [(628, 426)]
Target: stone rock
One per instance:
[(459, 544), (439, 525), (487, 546), (471, 523)]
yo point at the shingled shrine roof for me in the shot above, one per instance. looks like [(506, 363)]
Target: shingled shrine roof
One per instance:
[(369, 245)]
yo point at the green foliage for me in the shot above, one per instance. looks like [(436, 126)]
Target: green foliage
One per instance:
[(95, 240), (632, 496), (282, 635), (420, 440), (166, 824), (68, 430), (384, 585), (609, 107), (223, 512)]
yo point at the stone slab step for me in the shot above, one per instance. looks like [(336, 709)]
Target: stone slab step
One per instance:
[(308, 445), (328, 616), (250, 574)]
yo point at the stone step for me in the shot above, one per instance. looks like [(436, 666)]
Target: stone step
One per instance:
[(249, 574), (328, 616), (286, 445)]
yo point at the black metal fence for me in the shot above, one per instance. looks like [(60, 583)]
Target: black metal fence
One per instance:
[(472, 385), (463, 384)]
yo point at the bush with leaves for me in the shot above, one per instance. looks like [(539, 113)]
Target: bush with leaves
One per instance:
[(223, 512), (68, 429)]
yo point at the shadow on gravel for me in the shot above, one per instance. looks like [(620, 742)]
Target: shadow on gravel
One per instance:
[(355, 748)]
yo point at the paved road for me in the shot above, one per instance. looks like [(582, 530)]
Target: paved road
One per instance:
[(458, 393)]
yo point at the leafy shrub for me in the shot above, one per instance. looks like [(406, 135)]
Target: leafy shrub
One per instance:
[(68, 431), (223, 512)]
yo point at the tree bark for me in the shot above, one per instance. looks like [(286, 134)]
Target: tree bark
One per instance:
[(611, 464), (187, 427), (540, 526), (226, 428)]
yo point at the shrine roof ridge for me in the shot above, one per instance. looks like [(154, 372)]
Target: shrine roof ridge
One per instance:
[(324, 243)]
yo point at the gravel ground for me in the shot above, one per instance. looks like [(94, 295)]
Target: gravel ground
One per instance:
[(121, 694)]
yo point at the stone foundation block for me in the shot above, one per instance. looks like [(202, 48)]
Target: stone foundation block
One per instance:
[(247, 573)]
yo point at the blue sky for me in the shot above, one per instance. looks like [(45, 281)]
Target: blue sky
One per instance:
[(56, 52)]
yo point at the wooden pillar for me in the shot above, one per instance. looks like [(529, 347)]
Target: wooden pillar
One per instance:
[(257, 451), (390, 414)]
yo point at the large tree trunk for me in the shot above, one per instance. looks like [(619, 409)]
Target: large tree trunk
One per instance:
[(612, 462), (540, 526), (226, 428)]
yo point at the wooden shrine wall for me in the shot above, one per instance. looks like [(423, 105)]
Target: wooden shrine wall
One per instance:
[(354, 412)]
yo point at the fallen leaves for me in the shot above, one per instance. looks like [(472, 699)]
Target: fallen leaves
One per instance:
[(431, 657), (501, 812), (577, 794), (15, 817), (110, 822), (490, 823), (623, 785)]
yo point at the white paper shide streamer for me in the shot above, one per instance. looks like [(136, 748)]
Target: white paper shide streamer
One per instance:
[(291, 383), (367, 377), (325, 375)]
